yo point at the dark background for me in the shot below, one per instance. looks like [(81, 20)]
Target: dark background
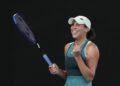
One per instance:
[(48, 19)]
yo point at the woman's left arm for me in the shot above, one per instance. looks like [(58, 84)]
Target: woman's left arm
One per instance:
[(88, 70)]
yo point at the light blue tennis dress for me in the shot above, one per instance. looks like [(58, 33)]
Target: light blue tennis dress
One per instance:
[(74, 76)]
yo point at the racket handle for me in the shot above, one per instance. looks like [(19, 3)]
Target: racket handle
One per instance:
[(47, 59)]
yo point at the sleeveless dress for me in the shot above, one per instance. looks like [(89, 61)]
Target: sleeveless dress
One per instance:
[(74, 76)]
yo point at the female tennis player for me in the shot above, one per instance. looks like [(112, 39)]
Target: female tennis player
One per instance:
[(81, 56)]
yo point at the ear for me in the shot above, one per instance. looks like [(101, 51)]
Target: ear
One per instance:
[(86, 30)]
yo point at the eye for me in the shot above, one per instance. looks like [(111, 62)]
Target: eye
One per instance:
[(77, 24)]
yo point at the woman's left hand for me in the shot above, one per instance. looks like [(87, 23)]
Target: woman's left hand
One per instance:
[(77, 51)]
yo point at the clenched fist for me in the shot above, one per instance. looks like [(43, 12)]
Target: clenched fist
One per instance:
[(77, 51)]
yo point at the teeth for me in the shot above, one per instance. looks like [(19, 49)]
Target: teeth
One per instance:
[(74, 32)]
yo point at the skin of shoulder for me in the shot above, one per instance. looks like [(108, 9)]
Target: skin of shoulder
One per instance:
[(92, 50), (66, 48)]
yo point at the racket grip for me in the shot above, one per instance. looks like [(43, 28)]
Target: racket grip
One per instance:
[(47, 59)]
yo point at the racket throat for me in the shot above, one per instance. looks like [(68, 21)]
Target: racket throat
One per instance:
[(38, 45)]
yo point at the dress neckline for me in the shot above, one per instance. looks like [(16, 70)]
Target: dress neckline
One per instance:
[(81, 44)]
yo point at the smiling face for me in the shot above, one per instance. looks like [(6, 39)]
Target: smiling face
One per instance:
[(78, 30)]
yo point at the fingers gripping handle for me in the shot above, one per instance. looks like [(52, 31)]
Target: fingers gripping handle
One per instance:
[(47, 59)]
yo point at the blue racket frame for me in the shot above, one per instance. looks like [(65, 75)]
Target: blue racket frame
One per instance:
[(46, 58), (14, 19)]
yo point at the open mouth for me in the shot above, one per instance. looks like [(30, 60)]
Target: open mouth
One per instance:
[(74, 32)]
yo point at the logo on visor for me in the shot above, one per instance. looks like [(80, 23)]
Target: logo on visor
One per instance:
[(81, 18)]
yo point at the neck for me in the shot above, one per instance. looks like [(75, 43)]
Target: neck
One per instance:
[(80, 40)]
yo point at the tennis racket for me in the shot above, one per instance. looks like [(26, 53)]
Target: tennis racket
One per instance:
[(26, 31)]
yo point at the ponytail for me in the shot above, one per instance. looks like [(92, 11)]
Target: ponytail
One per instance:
[(91, 34)]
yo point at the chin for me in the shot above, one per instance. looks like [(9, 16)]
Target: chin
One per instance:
[(75, 37)]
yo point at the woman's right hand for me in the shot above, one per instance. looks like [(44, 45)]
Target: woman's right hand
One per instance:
[(54, 69)]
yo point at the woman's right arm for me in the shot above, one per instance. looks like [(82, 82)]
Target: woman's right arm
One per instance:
[(54, 69)]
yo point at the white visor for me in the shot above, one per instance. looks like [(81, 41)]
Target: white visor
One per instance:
[(80, 20)]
